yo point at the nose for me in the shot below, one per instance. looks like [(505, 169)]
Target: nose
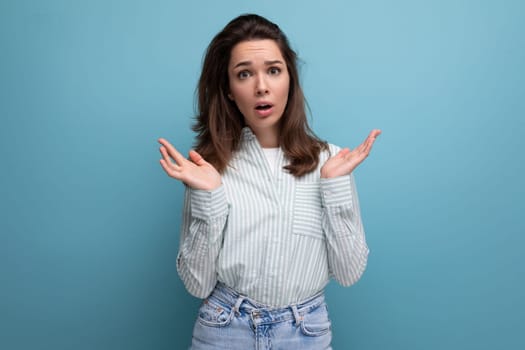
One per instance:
[(261, 88)]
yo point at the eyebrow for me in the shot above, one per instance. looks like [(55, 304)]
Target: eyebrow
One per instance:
[(249, 63)]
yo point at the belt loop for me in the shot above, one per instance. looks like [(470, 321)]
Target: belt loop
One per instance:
[(298, 318), (237, 305)]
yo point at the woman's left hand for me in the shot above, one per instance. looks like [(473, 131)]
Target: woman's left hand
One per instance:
[(344, 162)]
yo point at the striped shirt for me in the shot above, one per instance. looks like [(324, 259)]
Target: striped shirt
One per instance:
[(272, 237)]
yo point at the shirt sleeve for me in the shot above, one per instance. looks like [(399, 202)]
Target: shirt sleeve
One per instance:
[(341, 221), (204, 218)]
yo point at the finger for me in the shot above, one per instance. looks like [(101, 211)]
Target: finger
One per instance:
[(356, 155), (166, 157), (360, 152), (371, 137), (366, 146), (196, 158), (170, 170), (359, 149), (172, 151), (342, 153), (370, 141), (375, 133)]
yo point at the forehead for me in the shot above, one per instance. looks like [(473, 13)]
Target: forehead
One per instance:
[(253, 50)]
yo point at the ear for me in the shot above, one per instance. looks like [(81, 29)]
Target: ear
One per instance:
[(230, 96)]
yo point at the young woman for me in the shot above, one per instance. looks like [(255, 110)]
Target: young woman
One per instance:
[(270, 211)]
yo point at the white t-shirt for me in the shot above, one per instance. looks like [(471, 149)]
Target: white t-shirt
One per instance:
[(271, 156)]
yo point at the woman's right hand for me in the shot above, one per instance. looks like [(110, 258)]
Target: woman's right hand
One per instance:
[(196, 172)]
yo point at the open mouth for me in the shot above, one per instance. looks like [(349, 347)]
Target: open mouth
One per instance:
[(263, 107)]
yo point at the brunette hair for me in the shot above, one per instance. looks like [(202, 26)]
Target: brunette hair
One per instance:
[(219, 122)]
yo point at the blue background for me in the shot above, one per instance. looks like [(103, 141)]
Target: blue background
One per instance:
[(89, 221)]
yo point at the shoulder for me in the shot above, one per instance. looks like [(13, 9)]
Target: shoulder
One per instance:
[(332, 150)]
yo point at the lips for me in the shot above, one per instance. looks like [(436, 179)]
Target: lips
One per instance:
[(264, 109), (263, 106)]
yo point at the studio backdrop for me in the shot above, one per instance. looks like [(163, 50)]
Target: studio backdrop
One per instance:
[(89, 221)]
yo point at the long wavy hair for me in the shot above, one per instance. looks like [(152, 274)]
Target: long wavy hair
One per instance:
[(219, 122)]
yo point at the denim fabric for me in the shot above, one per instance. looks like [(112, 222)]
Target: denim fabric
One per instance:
[(231, 321)]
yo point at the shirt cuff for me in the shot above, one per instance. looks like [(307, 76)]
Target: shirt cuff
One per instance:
[(207, 205), (336, 191)]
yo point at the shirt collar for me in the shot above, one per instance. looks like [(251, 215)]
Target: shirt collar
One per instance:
[(247, 134)]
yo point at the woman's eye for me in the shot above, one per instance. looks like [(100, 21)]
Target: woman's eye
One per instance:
[(243, 74), (274, 71)]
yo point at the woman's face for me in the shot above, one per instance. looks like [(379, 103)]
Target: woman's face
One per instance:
[(259, 84)]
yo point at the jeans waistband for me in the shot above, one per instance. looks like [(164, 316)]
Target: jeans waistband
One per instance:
[(240, 302)]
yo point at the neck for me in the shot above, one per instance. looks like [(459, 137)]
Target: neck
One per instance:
[(268, 138), (268, 142)]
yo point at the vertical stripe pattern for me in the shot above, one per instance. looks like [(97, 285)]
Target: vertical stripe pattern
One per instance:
[(268, 235)]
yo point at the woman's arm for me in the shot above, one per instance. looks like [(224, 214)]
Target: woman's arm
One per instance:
[(204, 218), (341, 216), (345, 236)]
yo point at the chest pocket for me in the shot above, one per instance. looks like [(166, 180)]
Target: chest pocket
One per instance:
[(307, 210)]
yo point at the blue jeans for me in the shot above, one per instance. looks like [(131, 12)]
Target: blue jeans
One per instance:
[(228, 320)]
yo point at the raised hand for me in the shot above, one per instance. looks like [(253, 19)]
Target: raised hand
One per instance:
[(344, 162), (196, 172)]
